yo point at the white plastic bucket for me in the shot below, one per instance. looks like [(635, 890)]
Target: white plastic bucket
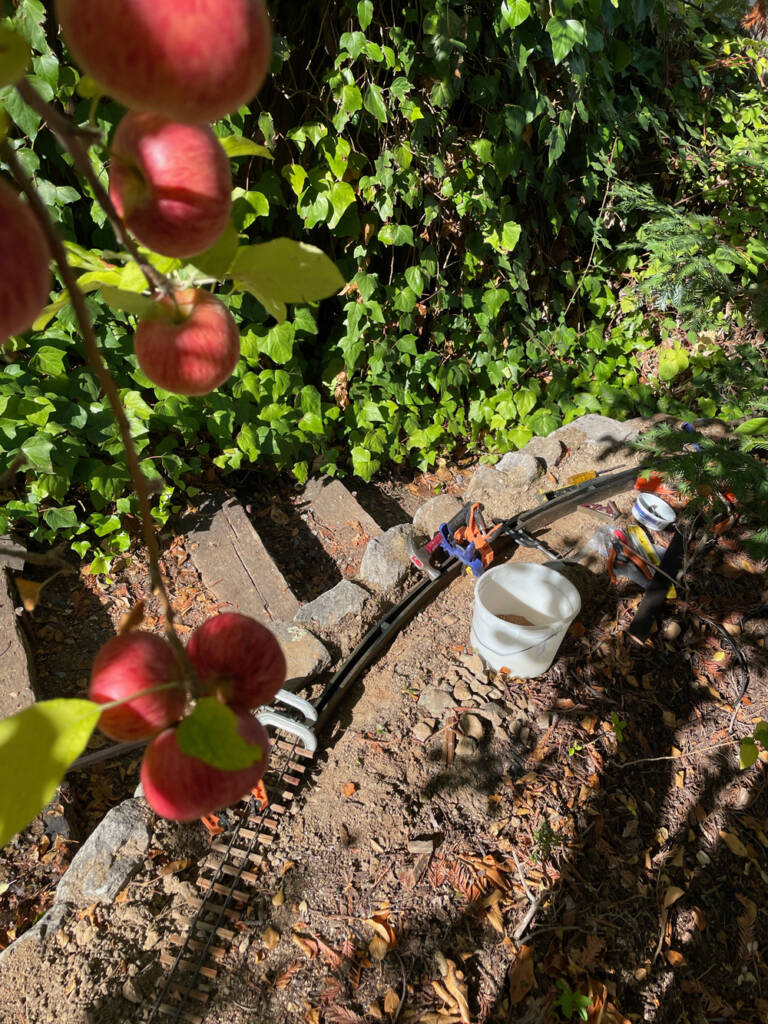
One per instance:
[(542, 596)]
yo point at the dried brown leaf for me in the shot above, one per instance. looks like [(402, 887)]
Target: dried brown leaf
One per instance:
[(733, 843), (521, 977)]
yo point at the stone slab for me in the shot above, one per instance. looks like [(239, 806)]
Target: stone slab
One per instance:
[(306, 657), (333, 511), (235, 565), (328, 610), (433, 513), (16, 689), (386, 561)]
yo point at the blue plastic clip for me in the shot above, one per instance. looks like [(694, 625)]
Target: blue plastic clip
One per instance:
[(467, 555)]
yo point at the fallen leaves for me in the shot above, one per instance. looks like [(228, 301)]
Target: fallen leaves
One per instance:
[(452, 989), (520, 977)]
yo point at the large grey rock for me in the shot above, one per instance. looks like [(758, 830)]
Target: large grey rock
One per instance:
[(500, 493), (602, 432), (527, 464), (386, 560), (109, 858), (334, 605), (433, 513), (16, 692), (305, 655), (548, 450)]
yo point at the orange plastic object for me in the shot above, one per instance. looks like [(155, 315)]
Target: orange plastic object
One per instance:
[(259, 792), (472, 534), (213, 824)]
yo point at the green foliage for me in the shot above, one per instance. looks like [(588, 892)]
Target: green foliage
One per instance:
[(36, 747), (524, 200), (748, 748), (570, 1003), (209, 732)]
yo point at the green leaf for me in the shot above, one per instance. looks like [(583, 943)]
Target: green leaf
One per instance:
[(122, 301), (15, 55), (36, 748), (284, 271), (351, 99), (515, 12), (506, 239), (236, 145), (48, 360), (565, 33), (38, 452), (672, 362), (374, 103), (396, 234), (216, 261), (342, 195), (365, 13), (758, 425), (61, 518), (748, 752), (761, 734), (278, 343), (210, 734)]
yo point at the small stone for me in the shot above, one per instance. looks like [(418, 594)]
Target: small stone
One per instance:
[(472, 726), (475, 665), (436, 701), (672, 630), (462, 692), (500, 494), (543, 722), (386, 561), (525, 734), (422, 732), (466, 747), (420, 846), (132, 992), (433, 513), (450, 619), (478, 688)]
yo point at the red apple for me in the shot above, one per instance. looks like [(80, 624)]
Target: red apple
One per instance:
[(183, 787), (171, 183), (188, 342), (192, 62), (126, 665), (25, 279), (238, 660)]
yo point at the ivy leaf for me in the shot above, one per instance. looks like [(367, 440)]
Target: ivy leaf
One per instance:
[(342, 195), (374, 103), (15, 55), (565, 33), (351, 99), (36, 747), (365, 13), (515, 12), (758, 425), (210, 734), (284, 271), (236, 145), (506, 239)]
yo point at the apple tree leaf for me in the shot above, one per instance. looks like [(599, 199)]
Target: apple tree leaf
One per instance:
[(217, 260), (758, 425), (15, 55), (123, 301), (236, 145), (36, 747), (282, 271), (210, 734), (747, 752), (761, 734)]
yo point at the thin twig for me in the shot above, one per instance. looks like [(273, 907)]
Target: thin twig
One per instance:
[(528, 892), (110, 390), (532, 912), (71, 138), (703, 749)]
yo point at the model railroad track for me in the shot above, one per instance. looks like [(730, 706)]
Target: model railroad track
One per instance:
[(226, 884), (231, 871)]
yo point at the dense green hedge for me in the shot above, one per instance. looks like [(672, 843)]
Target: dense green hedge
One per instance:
[(527, 200)]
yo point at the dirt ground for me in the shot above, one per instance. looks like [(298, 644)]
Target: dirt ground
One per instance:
[(472, 847)]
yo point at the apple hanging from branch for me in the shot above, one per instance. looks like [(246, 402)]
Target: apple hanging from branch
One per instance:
[(237, 660), (25, 278), (191, 62), (182, 787), (171, 183), (131, 664), (188, 342)]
